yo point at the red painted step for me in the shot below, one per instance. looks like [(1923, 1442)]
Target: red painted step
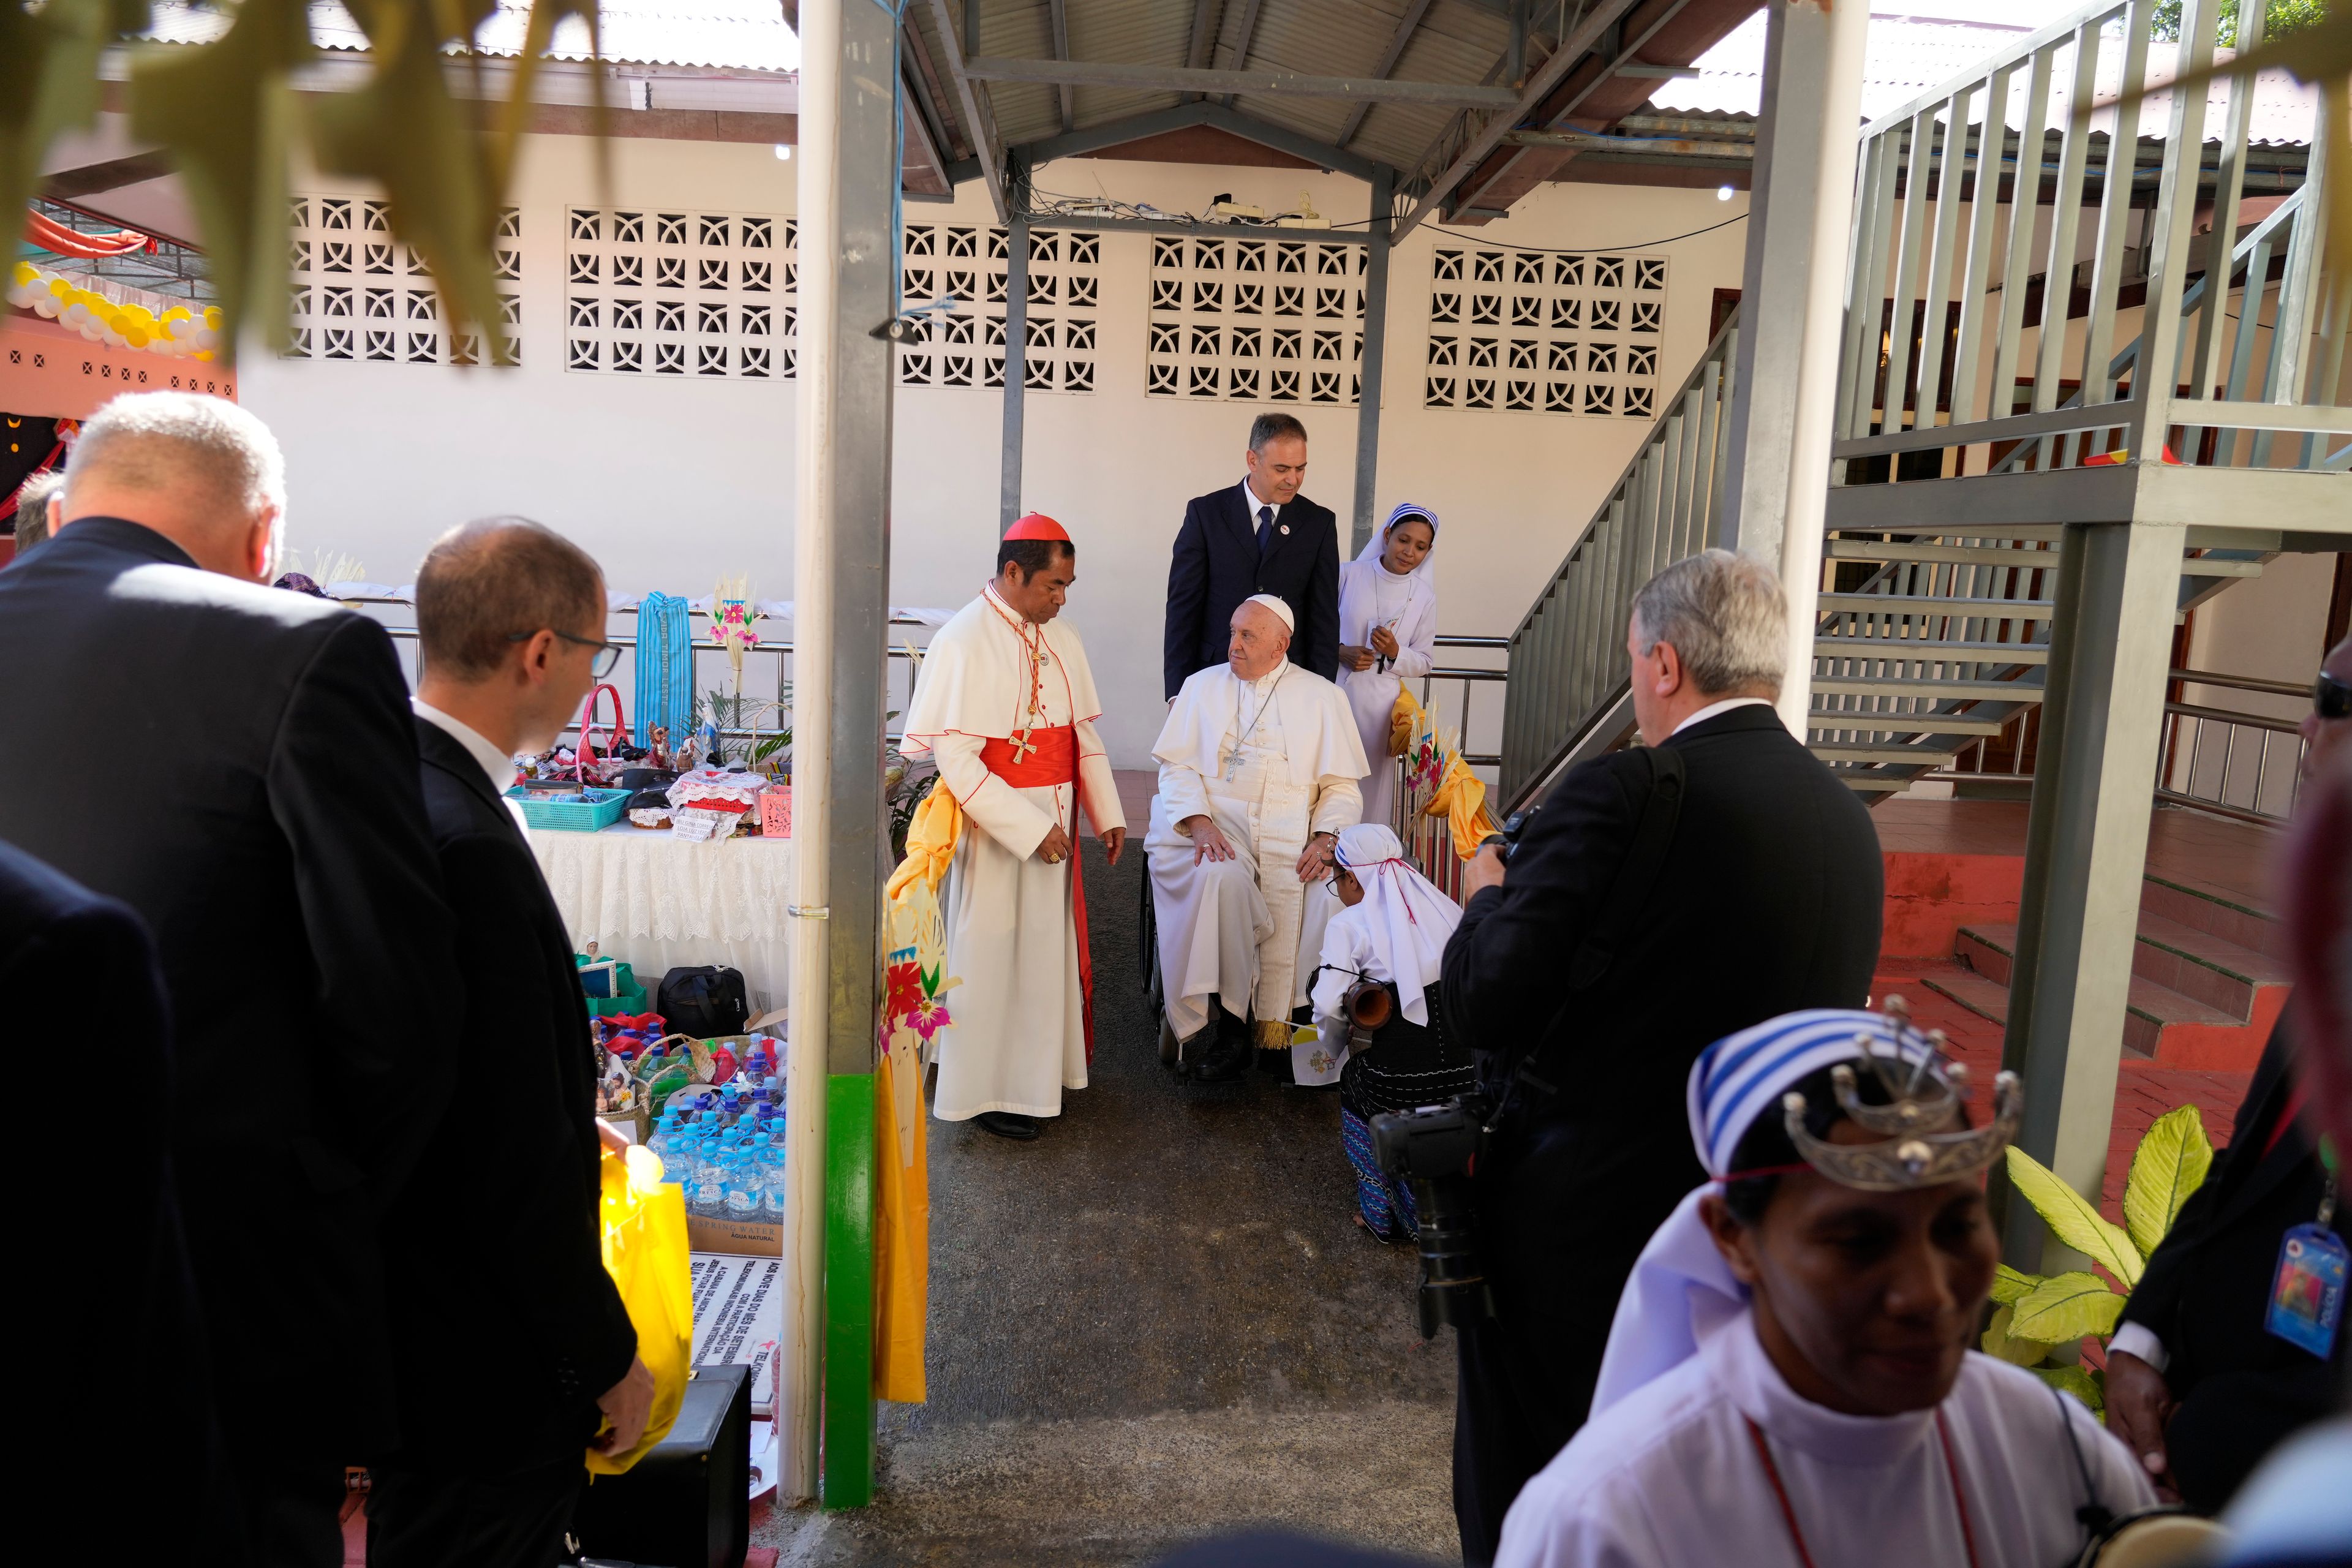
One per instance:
[(2195, 1001)]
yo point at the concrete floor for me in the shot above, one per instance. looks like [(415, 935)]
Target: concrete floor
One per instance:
[(1157, 1323)]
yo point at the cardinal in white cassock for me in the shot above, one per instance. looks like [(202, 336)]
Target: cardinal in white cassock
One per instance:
[(1259, 767), (1005, 703)]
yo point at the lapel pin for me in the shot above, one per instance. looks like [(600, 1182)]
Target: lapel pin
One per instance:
[(1285, 528)]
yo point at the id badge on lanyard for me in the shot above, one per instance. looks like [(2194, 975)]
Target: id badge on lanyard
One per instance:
[(2308, 1292)]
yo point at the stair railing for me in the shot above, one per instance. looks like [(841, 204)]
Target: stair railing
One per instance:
[(1568, 695), (1921, 243)]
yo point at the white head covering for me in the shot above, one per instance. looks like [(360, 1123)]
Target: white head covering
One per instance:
[(1290, 621), (1410, 918), (1380, 539), (1681, 1291)]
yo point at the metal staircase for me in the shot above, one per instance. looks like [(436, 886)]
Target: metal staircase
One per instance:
[(1961, 455)]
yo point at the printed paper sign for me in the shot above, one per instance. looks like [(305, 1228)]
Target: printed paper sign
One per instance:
[(738, 1318)]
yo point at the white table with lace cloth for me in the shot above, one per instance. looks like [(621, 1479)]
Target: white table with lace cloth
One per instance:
[(659, 902)]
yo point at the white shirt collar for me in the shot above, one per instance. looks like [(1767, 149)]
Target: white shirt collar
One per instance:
[(1251, 502), (1712, 709), (1736, 1359), (496, 764)]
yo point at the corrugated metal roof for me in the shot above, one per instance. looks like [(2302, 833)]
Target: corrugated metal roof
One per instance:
[(724, 34), (1910, 56)]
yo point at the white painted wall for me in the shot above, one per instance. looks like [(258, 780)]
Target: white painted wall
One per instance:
[(672, 481)]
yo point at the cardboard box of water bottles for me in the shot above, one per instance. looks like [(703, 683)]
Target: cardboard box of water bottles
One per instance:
[(714, 1111)]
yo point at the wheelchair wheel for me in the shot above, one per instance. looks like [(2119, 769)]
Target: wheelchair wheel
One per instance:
[(1155, 991)]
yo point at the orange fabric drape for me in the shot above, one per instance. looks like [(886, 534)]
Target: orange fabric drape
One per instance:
[(55, 236)]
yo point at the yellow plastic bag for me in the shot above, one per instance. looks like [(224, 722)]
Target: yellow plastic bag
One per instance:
[(646, 1249)]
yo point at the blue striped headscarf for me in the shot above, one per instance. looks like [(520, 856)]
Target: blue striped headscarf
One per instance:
[(1742, 1076), (1681, 1291)]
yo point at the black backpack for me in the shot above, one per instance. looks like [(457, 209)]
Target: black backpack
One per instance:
[(704, 1001)]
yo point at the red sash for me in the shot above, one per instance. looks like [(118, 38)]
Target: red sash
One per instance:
[(1052, 758)]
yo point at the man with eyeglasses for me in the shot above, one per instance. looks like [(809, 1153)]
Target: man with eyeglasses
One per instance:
[(2207, 1373), (510, 619), (238, 766)]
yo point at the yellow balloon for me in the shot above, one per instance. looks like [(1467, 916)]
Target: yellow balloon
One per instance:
[(178, 314), (135, 336), (213, 316), (26, 272)]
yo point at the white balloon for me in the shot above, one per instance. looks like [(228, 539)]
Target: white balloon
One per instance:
[(44, 305)]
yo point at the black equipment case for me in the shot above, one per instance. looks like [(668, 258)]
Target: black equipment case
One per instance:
[(686, 1504)]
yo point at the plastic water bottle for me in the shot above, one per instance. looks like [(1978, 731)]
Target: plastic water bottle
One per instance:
[(772, 1182), (742, 1186), (664, 1143), (708, 1193)]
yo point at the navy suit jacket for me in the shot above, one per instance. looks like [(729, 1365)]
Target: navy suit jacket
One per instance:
[(1217, 565)]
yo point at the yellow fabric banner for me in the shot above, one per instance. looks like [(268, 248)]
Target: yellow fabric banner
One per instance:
[(915, 976), (931, 835), (902, 1225), (1461, 799), (644, 1224)]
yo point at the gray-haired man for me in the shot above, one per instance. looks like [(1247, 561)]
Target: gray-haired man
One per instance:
[(238, 764), (1765, 900)]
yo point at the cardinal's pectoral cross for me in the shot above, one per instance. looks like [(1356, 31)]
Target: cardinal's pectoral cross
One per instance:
[(1024, 748)]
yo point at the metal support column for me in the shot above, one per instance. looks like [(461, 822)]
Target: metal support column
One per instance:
[(1016, 365), (1376, 337), (1799, 214), (841, 617), (2086, 851)]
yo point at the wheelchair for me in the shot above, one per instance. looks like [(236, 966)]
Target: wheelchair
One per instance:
[(1155, 989)]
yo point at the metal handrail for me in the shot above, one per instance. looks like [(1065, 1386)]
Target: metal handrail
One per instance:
[(2241, 682), (1933, 250), (1569, 665)]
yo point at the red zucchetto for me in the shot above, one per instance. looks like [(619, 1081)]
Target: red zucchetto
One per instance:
[(1038, 525)]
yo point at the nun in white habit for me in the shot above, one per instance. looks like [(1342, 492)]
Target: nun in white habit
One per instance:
[(1391, 931), (1787, 1379), (1387, 635)]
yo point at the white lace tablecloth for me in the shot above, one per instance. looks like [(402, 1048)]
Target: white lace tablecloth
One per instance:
[(659, 902)]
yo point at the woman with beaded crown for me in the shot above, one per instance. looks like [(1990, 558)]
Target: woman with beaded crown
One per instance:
[(1789, 1379)]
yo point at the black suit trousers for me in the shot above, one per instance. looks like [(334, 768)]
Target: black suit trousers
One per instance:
[(419, 1520)]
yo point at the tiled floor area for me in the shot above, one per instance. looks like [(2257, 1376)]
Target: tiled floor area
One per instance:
[(2209, 854)]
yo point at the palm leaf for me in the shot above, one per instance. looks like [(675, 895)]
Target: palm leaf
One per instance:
[(2066, 1307), (2072, 1220), (2000, 1343), (2009, 1285), (2170, 1164), (2087, 1386)]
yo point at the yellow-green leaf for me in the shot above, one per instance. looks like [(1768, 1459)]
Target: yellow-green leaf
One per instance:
[(2170, 1164), (2085, 1385), (2072, 1219), (2009, 1285), (2065, 1307), (1998, 1341)]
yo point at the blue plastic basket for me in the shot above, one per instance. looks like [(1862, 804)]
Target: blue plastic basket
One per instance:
[(599, 810)]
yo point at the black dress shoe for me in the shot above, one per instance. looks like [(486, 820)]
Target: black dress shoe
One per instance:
[(1009, 1124), (1223, 1062)]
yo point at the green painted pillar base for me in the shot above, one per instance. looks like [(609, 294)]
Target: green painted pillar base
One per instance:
[(846, 1477)]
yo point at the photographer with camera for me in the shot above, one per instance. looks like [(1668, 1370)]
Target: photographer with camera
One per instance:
[(1665, 896)]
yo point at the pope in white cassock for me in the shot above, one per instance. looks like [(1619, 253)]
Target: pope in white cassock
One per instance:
[(1259, 764), (1789, 1378), (1005, 703)]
